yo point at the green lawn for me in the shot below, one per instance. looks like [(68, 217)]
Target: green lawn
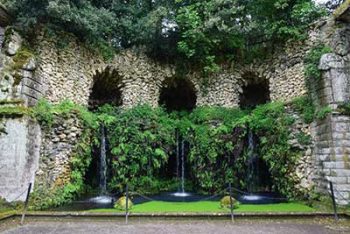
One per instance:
[(209, 207)]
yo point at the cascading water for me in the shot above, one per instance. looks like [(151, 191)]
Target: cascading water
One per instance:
[(177, 155), (102, 198), (254, 179), (253, 168), (180, 166), (103, 163)]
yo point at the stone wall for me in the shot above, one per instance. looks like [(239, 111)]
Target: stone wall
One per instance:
[(284, 73), (70, 73), (305, 167), (58, 145), (20, 139), (19, 156), (17, 69), (332, 147)]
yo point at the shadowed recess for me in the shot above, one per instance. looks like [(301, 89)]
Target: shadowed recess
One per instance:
[(178, 94), (255, 92), (106, 89)]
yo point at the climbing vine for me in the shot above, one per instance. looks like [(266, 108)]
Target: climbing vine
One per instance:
[(141, 139)]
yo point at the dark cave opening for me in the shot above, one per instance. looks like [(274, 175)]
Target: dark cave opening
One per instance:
[(178, 95), (255, 93), (106, 90)]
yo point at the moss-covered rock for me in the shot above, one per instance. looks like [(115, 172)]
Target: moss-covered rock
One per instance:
[(121, 203), (21, 58), (13, 111), (342, 12), (225, 202)]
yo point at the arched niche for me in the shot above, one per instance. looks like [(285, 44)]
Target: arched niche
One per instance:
[(178, 94), (255, 91), (106, 89)]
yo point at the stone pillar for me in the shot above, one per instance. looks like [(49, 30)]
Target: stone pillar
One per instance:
[(332, 147), (19, 157)]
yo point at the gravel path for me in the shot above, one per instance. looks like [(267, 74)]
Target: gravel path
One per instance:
[(192, 227)]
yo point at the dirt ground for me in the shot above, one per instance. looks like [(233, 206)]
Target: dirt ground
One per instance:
[(185, 226)]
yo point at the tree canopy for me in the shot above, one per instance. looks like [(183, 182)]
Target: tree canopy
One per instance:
[(199, 32)]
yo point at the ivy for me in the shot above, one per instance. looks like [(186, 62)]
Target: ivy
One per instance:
[(305, 107), (140, 141), (142, 138), (312, 61)]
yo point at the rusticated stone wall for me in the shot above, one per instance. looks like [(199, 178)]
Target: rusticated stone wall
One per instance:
[(58, 146), (20, 136), (70, 73), (332, 145)]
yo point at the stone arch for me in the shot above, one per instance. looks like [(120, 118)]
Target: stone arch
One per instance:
[(255, 90), (178, 94), (106, 88)]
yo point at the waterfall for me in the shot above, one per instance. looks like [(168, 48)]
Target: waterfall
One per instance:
[(180, 165), (183, 166), (252, 164), (103, 163), (177, 155)]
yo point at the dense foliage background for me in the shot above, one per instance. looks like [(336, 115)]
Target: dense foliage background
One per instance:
[(203, 33), (142, 139)]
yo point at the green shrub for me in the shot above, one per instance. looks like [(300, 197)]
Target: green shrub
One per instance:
[(323, 112), (45, 112), (142, 138), (305, 107), (312, 61), (304, 139)]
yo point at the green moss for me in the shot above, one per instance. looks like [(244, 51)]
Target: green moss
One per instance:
[(225, 202), (11, 102), (8, 33), (209, 207), (13, 111), (121, 204), (341, 9), (344, 108), (21, 58)]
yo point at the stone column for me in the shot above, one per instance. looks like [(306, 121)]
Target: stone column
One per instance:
[(332, 147)]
